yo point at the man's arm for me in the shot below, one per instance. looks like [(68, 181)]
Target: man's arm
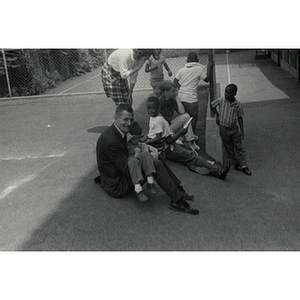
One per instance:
[(180, 107), (119, 158), (173, 138)]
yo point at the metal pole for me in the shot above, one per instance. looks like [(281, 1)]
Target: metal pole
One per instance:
[(278, 58), (212, 82), (6, 73), (298, 65)]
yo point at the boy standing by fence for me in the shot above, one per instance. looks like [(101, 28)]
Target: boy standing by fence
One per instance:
[(187, 80), (230, 119)]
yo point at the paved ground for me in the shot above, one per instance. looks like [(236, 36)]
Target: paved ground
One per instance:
[(48, 200)]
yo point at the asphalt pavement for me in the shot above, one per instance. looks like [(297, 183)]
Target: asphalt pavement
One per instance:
[(48, 200)]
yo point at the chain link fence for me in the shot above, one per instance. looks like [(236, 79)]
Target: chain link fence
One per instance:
[(28, 72)]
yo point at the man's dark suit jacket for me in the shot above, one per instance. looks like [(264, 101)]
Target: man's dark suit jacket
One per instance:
[(112, 161)]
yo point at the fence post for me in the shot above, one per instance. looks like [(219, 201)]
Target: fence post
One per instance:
[(212, 82), (6, 73), (298, 65), (213, 143)]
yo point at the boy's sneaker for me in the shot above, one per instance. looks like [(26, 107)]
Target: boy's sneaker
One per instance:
[(246, 171), (141, 196), (151, 187), (238, 167), (224, 172)]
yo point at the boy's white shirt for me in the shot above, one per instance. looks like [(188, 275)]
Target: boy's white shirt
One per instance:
[(189, 77)]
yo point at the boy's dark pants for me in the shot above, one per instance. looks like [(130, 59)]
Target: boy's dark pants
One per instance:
[(232, 142)]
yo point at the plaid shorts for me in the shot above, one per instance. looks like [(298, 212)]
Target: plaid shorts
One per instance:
[(114, 85)]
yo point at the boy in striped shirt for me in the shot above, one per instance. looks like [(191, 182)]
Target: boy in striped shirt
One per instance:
[(230, 119)]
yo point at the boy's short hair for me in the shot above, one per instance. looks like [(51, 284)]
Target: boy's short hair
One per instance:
[(136, 129), (153, 100), (232, 86), (192, 57), (166, 85)]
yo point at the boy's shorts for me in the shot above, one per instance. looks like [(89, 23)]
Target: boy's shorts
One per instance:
[(191, 108)]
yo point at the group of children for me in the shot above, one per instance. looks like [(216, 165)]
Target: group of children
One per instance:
[(165, 143)]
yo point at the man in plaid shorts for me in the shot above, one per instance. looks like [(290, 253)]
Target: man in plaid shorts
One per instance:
[(123, 64)]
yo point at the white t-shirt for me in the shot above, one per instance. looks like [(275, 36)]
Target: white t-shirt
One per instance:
[(159, 125), (122, 61), (189, 78)]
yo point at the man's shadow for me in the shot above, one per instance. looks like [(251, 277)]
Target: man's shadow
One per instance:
[(98, 129)]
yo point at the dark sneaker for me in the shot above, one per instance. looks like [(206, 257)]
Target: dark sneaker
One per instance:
[(141, 196), (186, 195), (246, 171), (224, 172), (183, 207), (151, 187), (238, 167)]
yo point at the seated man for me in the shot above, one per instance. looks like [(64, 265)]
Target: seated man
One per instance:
[(112, 160), (174, 112)]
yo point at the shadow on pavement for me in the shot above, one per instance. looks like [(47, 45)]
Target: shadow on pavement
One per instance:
[(99, 129)]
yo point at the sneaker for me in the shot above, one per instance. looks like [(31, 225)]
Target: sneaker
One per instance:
[(224, 172), (246, 171), (199, 170), (152, 188), (141, 196), (183, 207), (238, 167), (186, 195)]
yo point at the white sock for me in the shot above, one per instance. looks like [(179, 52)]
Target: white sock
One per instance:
[(150, 179), (138, 188)]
